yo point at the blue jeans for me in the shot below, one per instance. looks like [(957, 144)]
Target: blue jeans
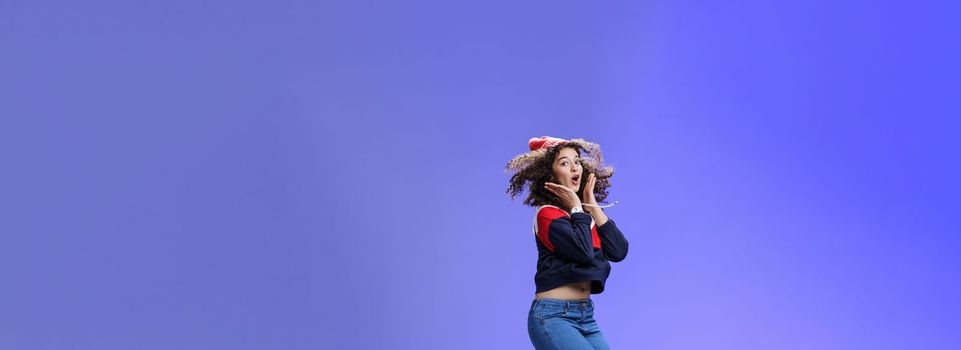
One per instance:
[(564, 324)]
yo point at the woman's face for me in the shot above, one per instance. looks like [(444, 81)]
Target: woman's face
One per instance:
[(567, 169)]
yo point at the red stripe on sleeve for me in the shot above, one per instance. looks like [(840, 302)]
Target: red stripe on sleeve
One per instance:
[(544, 218), (595, 238)]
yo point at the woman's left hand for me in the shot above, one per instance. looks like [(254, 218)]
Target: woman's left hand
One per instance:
[(599, 217), (588, 196)]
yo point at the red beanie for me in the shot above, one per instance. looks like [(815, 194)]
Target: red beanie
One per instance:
[(537, 143)]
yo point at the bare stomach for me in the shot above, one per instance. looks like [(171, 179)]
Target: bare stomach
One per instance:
[(573, 291)]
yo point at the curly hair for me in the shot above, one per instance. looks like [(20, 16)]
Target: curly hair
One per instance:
[(534, 168)]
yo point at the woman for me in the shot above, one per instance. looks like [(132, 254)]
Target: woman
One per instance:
[(575, 239)]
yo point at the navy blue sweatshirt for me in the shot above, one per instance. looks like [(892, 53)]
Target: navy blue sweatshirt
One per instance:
[(571, 248)]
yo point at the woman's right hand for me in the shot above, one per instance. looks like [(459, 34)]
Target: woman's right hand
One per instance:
[(567, 196)]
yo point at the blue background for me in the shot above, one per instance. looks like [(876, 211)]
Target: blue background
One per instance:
[(330, 175)]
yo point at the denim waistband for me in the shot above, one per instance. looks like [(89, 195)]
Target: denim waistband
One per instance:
[(567, 304)]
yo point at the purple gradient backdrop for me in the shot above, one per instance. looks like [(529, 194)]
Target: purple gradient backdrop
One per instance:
[(304, 175)]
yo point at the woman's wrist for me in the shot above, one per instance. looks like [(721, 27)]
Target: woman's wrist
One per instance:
[(600, 218), (577, 207)]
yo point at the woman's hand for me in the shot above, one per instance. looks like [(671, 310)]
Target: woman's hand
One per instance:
[(599, 217), (589, 191), (567, 196)]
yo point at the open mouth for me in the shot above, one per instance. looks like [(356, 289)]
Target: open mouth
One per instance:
[(575, 179)]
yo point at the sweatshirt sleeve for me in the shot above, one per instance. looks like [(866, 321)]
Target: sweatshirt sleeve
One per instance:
[(567, 236), (613, 242)]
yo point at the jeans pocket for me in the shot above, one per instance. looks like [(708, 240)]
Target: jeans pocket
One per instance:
[(550, 313)]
